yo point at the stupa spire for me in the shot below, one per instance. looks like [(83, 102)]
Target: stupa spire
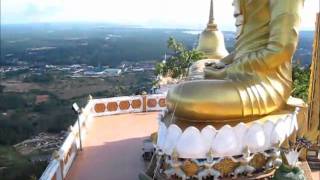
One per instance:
[(211, 13), (211, 25)]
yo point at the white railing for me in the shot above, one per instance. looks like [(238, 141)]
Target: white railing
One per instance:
[(117, 105), (63, 159), (155, 102), (128, 104)]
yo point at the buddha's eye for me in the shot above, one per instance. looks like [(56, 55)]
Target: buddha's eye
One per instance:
[(236, 15)]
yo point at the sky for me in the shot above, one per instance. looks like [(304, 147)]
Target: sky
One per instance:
[(191, 14)]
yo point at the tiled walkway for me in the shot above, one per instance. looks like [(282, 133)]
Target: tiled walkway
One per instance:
[(113, 148)]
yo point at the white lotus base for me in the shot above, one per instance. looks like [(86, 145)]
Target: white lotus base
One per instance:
[(227, 141)]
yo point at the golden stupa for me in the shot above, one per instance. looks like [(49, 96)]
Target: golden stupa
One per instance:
[(211, 40)]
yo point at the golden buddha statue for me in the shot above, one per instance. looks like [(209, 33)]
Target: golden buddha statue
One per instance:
[(255, 79)]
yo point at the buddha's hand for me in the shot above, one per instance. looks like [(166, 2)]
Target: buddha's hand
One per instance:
[(215, 71), (215, 64)]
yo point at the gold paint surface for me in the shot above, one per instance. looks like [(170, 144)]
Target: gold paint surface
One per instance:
[(314, 88), (259, 161), (226, 166), (190, 168), (292, 104)]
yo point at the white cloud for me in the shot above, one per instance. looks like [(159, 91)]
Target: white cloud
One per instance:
[(174, 13)]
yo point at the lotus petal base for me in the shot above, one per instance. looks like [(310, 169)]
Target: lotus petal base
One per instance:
[(225, 150)]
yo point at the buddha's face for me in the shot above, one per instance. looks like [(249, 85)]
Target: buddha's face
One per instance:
[(239, 17)]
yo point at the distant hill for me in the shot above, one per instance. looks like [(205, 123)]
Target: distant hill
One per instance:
[(104, 44)]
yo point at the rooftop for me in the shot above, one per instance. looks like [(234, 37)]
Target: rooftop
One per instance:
[(113, 147)]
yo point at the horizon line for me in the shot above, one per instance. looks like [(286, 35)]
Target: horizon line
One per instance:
[(186, 27)]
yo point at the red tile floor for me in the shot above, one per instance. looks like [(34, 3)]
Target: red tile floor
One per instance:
[(113, 147)]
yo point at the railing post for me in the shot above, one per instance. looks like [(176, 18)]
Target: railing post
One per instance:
[(79, 130), (61, 167), (59, 157), (144, 103)]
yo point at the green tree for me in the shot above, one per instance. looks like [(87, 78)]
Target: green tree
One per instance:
[(43, 78), (300, 78), (176, 66), (11, 101), (1, 88)]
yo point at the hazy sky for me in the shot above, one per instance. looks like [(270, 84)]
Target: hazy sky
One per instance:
[(149, 13)]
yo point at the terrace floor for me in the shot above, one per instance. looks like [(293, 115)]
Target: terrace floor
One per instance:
[(316, 175), (113, 147)]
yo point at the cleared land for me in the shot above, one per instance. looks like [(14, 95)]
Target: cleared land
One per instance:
[(68, 88)]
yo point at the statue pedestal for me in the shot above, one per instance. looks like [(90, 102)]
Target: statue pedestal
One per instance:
[(244, 147)]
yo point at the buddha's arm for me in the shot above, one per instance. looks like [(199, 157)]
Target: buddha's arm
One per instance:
[(228, 59), (283, 38)]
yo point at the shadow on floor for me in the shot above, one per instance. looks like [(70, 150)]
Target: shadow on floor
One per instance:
[(118, 160)]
